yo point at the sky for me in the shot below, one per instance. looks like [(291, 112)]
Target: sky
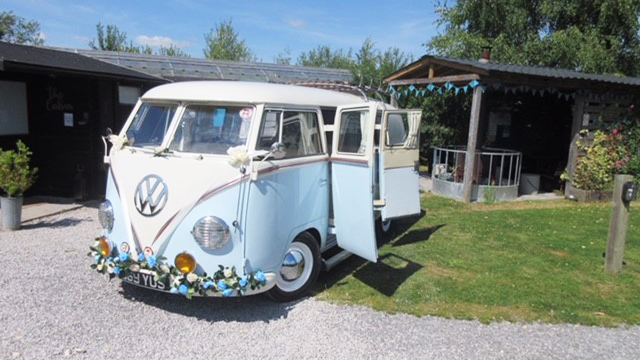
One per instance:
[(267, 27)]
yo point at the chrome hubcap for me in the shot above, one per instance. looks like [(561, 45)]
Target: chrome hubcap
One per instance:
[(292, 265)]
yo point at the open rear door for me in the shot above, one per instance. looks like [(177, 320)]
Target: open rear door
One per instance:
[(352, 179), (399, 159)]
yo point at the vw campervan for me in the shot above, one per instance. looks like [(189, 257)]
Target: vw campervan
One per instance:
[(234, 188)]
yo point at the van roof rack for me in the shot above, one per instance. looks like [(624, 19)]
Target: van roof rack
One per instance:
[(358, 90)]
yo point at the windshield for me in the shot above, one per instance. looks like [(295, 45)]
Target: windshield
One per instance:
[(212, 129), (150, 125)]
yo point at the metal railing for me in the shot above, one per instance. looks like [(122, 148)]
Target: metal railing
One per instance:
[(494, 167)]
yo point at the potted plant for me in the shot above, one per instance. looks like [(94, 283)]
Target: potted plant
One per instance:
[(16, 176)]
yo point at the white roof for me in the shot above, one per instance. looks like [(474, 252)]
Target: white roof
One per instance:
[(249, 92)]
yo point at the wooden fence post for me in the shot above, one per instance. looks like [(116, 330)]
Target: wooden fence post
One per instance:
[(617, 227)]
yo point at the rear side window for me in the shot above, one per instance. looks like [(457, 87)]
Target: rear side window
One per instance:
[(297, 130)]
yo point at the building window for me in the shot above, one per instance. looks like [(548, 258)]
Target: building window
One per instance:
[(128, 95), (13, 108)]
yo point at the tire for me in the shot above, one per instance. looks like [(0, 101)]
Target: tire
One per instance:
[(307, 248), (383, 228)]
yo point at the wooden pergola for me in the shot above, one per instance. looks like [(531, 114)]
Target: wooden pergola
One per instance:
[(440, 71)]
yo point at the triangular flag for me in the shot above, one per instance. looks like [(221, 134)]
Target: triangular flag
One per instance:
[(473, 83), (457, 90), (431, 87), (448, 86)]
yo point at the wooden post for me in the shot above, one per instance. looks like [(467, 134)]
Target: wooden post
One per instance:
[(617, 227), (578, 111), (470, 157)]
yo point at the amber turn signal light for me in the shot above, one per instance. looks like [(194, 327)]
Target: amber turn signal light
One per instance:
[(185, 263)]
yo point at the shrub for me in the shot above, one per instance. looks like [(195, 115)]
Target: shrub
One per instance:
[(594, 170), (16, 176)]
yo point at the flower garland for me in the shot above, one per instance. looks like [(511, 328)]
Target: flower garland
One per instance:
[(225, 280)]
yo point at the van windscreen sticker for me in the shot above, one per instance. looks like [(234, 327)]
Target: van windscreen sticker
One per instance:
[(246, 113)]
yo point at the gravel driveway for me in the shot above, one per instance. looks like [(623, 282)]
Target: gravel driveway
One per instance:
[(52, 305)]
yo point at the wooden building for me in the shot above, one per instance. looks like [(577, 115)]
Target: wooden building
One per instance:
[(59, 103), (533, 110)]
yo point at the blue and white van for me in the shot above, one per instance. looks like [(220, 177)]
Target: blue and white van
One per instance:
[(233, 188)]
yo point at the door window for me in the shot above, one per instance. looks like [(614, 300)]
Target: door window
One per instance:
[(353, 132), (297, 130)]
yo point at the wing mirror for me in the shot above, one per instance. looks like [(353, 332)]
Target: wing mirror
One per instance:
[(278, 150)]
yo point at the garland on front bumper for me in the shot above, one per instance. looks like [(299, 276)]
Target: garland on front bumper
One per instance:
[(225, 280)]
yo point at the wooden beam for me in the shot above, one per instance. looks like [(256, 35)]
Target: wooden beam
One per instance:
[(578, 111), (470, 157), (431, 72), (437, 80), (411, 67)]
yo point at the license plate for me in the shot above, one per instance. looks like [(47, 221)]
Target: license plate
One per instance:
[(146, 279)]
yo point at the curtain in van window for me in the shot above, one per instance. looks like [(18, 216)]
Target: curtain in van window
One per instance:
[(414, 127)]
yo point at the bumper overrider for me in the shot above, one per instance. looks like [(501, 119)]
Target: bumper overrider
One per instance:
[(179, 279)]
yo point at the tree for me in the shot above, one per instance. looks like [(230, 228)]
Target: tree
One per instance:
[(284, 58), (595, 36), (114, 40), (172, 50), (324, 57), (222, 43), (15, 29), (371, 65)]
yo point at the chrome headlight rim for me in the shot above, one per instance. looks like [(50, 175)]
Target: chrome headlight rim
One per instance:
[(105, 215), (211, 233)]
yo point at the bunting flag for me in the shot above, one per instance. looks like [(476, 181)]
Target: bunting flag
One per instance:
[(404, 92)]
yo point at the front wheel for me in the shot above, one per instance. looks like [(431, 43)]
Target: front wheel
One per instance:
[(299, 269)]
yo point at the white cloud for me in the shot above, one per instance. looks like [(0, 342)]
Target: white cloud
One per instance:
[(296, 23), (158, 41)]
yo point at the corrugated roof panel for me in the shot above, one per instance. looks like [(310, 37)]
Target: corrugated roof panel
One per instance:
[(541, 71), (178, 68)]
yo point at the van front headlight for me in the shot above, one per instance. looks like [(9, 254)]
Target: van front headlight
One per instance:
[(105, 215), (211, 233)]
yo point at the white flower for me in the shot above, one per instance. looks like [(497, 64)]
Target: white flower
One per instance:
[(238, 156), (164, 268), (117, 141), (191, 277), (99, 267), (176, 281), (228, 273), (233, 282), (110, 268), (134, 267)]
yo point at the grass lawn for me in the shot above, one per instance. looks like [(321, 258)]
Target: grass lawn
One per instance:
[(518, 261)]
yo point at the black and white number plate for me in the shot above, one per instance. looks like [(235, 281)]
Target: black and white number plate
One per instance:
[(146, 279)]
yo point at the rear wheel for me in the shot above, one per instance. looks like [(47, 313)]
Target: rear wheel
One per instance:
[(299, 269)]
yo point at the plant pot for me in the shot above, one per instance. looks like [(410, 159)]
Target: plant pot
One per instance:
[(588, 195), (11, 212)]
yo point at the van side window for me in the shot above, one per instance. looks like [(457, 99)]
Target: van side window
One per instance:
[(353, 131), (297, 130)]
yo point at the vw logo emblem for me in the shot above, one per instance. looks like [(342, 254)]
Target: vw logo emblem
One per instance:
[(151, 195)]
